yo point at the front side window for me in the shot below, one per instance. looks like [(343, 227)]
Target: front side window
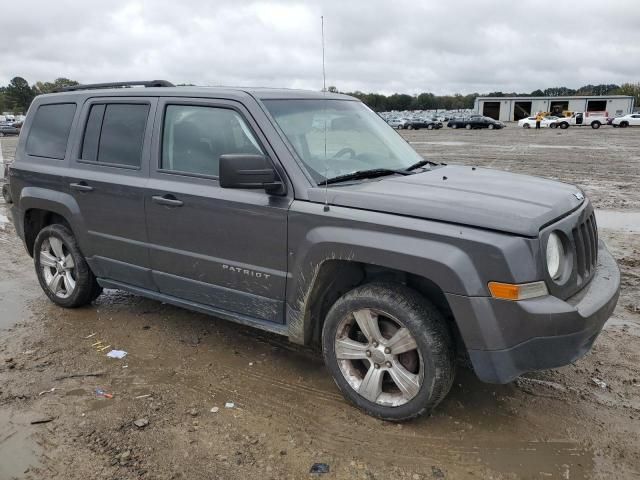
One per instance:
[(194, 138), (356, 138), (115, 134), (49, 132)]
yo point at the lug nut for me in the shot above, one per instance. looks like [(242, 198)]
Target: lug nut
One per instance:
[(368, 353), (375, 365), (387, 350), (388, 364), (375, 344)]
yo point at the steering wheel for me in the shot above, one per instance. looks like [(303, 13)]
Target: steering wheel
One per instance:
[(350, 151)]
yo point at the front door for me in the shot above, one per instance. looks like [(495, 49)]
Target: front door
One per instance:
[(221, 248), (107, 177)]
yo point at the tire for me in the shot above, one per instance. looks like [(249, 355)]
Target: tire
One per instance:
[(454, 126), (468, 126), (624, 124), (490, 127), (553, 125), (595, 125), (77, 286), (429, 127), (564, 125), (427, 354), (526, 125), (409, 127), (1, 134), (399, 127)]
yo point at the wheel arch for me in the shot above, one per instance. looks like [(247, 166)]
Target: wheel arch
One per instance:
[(335, 277), (42, 207)]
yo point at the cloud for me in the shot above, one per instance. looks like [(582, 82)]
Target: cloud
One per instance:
[(443, 47)]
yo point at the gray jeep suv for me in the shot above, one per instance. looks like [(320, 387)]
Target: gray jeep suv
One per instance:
[(305, 214)]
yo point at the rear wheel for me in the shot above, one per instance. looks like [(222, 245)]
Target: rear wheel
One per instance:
[(595, 125), (491, 127), (553, 125), (468, 126), (62, 271), (564, 125), (410, 127), (389, 351), (429, 127), (454, 126), (526, 125)]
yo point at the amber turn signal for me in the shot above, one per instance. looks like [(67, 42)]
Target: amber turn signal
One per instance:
[(511, 291)]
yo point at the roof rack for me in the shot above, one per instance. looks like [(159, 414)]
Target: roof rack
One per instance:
[(95, 86)]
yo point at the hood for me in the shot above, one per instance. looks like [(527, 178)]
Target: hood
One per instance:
[(479, 197)]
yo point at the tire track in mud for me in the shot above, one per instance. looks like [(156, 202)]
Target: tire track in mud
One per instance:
[(322, 417)]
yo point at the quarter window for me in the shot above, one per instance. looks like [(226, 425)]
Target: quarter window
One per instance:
[(194, 138), (49, 132), (115, 133)]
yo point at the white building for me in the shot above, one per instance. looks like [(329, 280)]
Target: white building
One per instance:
[(512, 109)]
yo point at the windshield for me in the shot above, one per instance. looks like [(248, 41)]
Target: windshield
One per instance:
[(357, 138)]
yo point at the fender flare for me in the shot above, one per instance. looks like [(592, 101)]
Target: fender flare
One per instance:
[(448, 266)]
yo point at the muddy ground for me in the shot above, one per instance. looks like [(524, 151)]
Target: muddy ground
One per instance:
[(287, 414)]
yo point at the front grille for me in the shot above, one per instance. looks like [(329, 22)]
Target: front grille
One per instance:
[(585, 239)]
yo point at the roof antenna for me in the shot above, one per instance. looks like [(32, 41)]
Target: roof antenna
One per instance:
[(324, 93)]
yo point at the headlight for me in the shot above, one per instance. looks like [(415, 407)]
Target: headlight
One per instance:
[(555, 256)]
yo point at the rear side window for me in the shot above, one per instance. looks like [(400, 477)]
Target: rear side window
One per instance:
[(115, 133), (50, 129)]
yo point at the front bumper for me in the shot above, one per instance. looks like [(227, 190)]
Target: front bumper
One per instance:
[(505, 339)]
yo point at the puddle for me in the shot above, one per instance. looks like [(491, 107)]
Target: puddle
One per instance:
[(14, 300), (620, 221), (18, 451)]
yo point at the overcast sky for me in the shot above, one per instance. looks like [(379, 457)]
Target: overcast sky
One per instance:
[(443, 46)]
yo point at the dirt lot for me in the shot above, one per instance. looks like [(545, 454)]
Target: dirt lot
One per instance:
[(287, 413)]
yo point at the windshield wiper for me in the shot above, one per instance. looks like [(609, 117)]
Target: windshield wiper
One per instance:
[(419, 164), (371, 173)]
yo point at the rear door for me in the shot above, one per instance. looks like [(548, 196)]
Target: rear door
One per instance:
[(107, 177), (222, 248)]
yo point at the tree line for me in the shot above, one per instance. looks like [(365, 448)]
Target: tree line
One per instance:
[(18, 95)]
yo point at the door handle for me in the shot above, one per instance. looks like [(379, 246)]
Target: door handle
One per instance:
[(167, 200), (81, 187)]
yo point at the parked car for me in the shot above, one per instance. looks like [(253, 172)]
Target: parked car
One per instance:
[(630, 120), (230, 202), (8, 129), (417, 124), (580, 119), (530, 122), (398, 123), (475, 122)]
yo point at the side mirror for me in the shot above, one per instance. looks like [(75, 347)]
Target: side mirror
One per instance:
[(241, 170)]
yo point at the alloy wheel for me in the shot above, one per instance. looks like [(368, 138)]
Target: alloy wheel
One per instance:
[(379, 357), (58, 267)]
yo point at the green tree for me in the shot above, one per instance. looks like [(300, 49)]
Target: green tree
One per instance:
[(19, 94), (632, 89), (49, 87)]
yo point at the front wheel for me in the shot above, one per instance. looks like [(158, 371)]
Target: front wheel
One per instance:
[(429, 127), (410, 127), (491, 127), (624, 124), (389, 351), (564, 125), (454, 126), (62, 271), (553, 125), (468, 126)]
